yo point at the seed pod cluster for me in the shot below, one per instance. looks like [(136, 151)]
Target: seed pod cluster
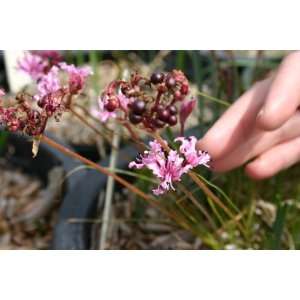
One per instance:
[(152, 102)]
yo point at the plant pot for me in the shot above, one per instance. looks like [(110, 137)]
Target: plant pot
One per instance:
[(17, 152), (77, 236)]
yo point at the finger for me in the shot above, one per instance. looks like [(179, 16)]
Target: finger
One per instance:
[(258, 143), (274, 160), (283, 97), (235, 125)]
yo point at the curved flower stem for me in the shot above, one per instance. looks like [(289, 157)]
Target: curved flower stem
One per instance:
[(198, 205), (109, 189), (117, 178), (213, 197), (214, 99), (68, 102), (161, 141), (159, 94), (94, 165), (134, 136), (87, 113), (91, 126)]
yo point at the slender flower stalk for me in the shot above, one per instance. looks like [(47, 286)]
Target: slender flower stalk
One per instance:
[(105, 171), (96, 166), (90, 125)]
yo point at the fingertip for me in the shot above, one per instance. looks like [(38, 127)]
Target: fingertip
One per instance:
[(207, 145), (199, 144), (211, 144), (268, 120), (257, 170)]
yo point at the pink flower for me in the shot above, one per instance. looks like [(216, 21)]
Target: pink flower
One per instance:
[(33, 65), (102, 113), (169, 167), (170, 171), (77, 76), (2, 93), (152, 159), (53, 56), (48, 83), (124, 101), (193, 156)]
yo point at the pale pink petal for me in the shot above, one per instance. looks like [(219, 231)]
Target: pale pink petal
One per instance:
[(49, 83), (102, 113), (32, 65), (124, 101), (77, 76)]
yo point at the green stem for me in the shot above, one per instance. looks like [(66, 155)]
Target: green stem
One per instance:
[(223, 102)]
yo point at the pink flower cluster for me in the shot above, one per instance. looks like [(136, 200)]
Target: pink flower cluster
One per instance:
[(53, 96), (77, 76), (21, 117), (51, 91), (46, 67), (49, 83), (37, 63), (169, 167), (32, 65)]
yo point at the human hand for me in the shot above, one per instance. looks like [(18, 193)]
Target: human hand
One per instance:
[(263, 125)]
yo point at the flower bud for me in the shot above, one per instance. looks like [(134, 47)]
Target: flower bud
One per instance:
[(111, 105), (135, 119), (185, 110)]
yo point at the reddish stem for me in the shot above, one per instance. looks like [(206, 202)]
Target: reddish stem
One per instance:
[(106, 172), (156, 102), (94, 165), (91, 126)]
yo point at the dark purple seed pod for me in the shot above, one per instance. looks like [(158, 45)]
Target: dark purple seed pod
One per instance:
[(170, 82), (158, 123), (172, 121), (172, 110), (157, 77), (163, 115), (111, 105), (159, 108), (134, 118), (138, 107)]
